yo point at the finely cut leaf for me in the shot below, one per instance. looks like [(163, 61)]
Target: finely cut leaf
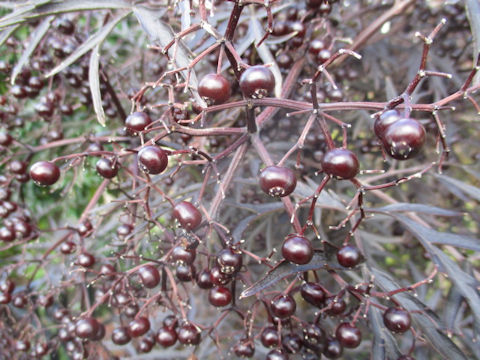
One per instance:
[(161, 33), (384, 345), (94, 79), (5, 34), (466, 284), (423, 317), (60, 6), (472, 191), (435, 237), (286, 269), (265, 54), (86, 46), (35, 38), (405, 207), (473, 15)]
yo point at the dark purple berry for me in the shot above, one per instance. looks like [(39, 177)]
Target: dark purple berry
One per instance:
[(403, 139), (397, 320), (138, 326), (313, 293), (348, 335), (297, 249), (152, 159), (277, 181), (257, 81), (349, 256), (107, 168), (137, 121), (166, 336), (283, 306), (189, 334), (187, 215), (44, 173), (214, 88), (219, 296), (340, 163), (149, 275)]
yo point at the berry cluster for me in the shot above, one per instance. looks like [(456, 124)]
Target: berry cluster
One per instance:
[(228, 178)]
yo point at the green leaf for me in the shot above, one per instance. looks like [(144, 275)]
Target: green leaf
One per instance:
[(86, 46)]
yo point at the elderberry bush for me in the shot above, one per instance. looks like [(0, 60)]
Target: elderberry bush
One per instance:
[(239, 179)]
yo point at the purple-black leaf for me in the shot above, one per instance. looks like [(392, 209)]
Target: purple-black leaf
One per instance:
[(286, 269)]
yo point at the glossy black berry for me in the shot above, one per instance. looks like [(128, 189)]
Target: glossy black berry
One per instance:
[(283, 306), (333, 349), (397, 320), (5, 138), (219, 278), (292, 343), (5, 298), (277, 181), (182, 255), (108, 270), (335, 305), (68, 247), (166, 336), (17, 167), (149, 275), (269, 337), (107, 168), (170, 322), (348, 335), (86, 328), (65, 26), (340, 163), (403, 139), (276, 354), (313, 335), (229, 260), (219, 296), (6, 234), (185, 272), (244, 348), (44, 173), (204, 280), (145, 345), (297, 249), (189, 334), (152, 159), (138, 326), (313, 293), (7, 286), (214, 88), (257, 81), (349, 256), (187, 215), (384, 120), (86, 260), (137, 121), (120, 336)]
